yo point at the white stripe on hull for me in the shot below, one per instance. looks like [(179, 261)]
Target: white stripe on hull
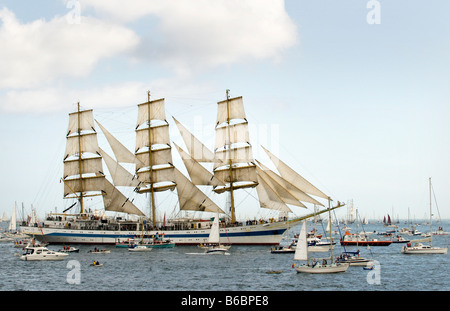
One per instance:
[(269, 234)]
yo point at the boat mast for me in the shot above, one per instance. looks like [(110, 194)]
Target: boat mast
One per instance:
[(152, 194), (329, 221), (431, 217), (80, 161), (233, 214)]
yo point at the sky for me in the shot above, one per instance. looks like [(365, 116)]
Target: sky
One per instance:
[(353, 94)]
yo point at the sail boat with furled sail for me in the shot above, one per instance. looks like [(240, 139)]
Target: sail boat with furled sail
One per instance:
[(234, 169)]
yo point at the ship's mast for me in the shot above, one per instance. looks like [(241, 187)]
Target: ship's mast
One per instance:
[(152, 194), (431, 217), (80, 161), (233, 214)]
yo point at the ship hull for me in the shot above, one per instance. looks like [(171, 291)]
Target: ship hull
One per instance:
[(365, 243), (266, 234)]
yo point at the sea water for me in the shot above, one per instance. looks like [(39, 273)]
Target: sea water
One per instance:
[(187, 268)]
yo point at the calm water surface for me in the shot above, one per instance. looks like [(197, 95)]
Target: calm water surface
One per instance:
[(186, 268)]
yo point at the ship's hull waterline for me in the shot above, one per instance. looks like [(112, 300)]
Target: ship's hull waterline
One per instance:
[(264, 234)]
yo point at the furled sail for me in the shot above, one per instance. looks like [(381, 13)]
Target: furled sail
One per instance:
[(294, 178), (153, 148)]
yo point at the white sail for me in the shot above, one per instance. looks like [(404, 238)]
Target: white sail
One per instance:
[(268, 198), (121, 153), (199, 175), (83, 170), (192, 198), (119, 175), (197, 150), (284, 195), (301, 252), (12, 223), (153, 148), (84, 119), (224, 114), (73, 187), (293, 190), (214, 235), (234, 162), (114, 200), (294, 178)]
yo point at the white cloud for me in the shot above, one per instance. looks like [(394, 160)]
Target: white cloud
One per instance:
[(205, 33), (38, 52), (183, 35), (122, 94)]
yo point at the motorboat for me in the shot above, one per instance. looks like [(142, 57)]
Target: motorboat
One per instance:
[(139, 248), (69, 249), (5, 239), (400, 239), (282, 250), (440, 231), (358, 240), (41, 253), (99, 251), (353, 259), (420, 248)]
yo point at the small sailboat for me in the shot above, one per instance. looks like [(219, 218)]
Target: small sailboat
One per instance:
[(214, 246), (315, 266), (419, 248)]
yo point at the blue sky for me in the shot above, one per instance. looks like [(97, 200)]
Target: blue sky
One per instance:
[(361, 110)]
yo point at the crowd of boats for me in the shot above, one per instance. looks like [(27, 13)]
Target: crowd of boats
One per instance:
[(302, 245), (234, 169), (34, 250)]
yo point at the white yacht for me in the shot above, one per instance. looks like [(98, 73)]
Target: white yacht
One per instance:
[(420, 248), (41, 253)]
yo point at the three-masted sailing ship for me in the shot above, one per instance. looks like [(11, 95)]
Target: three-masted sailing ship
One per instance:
[(234, 168)]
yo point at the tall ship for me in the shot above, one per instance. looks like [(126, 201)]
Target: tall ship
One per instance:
[(152, 173)]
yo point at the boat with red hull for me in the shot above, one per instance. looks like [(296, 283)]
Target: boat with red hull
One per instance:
[(361, 240), (365, 243)]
